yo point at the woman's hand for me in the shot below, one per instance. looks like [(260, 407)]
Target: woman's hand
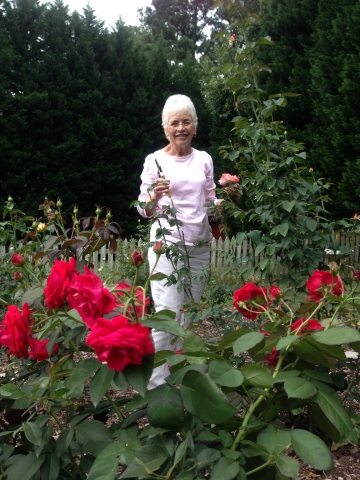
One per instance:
[(162, 188)]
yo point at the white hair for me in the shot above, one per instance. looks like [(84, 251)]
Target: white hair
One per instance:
[(176, 104)]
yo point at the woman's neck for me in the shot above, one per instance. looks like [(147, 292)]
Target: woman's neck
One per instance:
[(174, 151)]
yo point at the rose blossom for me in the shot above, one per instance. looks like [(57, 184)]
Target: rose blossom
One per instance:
[(119, 342), (356, 275), (18, 276), (38, 348), (227, 179), (159, 248), (136, 258), (275, 292), (15, 329), (273, 358), (57, 284), (320, 280), (139, 298), (89, 297), (17, 259), (312, 325), (247, 296)]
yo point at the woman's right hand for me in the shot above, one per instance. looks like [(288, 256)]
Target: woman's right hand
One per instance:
[(162, 188)]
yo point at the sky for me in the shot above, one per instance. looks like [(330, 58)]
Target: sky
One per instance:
[(110, 10)]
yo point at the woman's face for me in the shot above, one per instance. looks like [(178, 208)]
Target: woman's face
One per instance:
[(180, 129)]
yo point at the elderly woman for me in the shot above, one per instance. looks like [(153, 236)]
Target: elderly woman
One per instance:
[(187, 174)]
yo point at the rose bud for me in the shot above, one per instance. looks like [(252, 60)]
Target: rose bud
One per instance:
[(159, 248), (356, 275), (18, 276), (17, 259), (136, 258)]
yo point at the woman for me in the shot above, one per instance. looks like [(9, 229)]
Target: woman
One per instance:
[(188, 183)]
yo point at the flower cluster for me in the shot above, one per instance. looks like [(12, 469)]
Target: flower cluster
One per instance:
[(117, 341), (231, 184), (15, 334)]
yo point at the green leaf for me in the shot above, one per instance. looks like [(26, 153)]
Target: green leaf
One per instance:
[(283, 229), (100, 383), (299, 388), (165, 409), (337, 336), (107, 463), (203, 398), (258, 376), (139, 375), (51, 467), (223, 373), (282, 376), (337, 415), (177, 377), (147, 460), (225, 469), (193, 343), (311, 449), (83, 370), (311, 224), (285, 341), (11, 391), (164, 321), (92, 435), (64, 440), (247, 341), (288, 205), (158, 276), (288, 466), (33, 433), (275, 441), (25, 468)]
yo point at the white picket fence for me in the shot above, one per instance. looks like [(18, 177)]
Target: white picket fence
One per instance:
[(219, 253)]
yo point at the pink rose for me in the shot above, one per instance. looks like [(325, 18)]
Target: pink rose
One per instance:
[(227, 179), (119, 342), (57, 284), (89, 297)]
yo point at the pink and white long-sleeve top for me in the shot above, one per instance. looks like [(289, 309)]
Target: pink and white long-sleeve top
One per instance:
[(191, 186)]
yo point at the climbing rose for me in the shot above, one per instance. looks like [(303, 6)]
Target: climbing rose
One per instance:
[(139, 299), (311, 326), (89, 297), (38, 348), (17, 259), (15, 329), (136, 258), (273, 358), (119, 342), (246, 296), (57, 284), (275, 292), (319, 281), (227, 179)]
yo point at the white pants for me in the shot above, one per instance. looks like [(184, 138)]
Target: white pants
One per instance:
[(167, 297)]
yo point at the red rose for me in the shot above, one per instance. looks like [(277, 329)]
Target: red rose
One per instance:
[(38, 348), (251, 300), (18, 276), (16, 330), (159, 248), (319, 282), (17, 259), (275, 292), (89, 297), (139, 299), (356, 275), (273, 358), (120, 343), (136, 258), (309, 327), (227, 179), (57, 285)]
